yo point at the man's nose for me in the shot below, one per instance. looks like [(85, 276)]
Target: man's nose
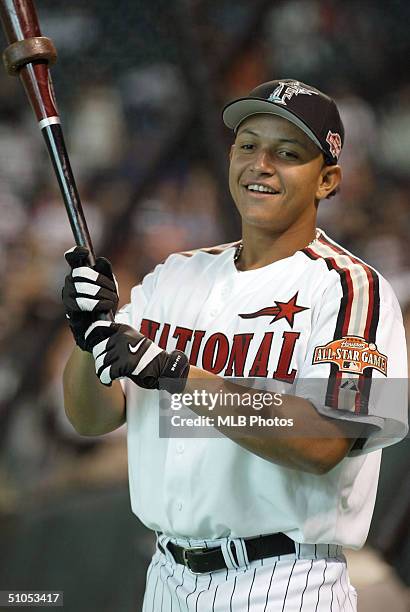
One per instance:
[(263, 162)]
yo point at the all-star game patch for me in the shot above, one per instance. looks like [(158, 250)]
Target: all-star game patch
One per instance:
[(351, 354)]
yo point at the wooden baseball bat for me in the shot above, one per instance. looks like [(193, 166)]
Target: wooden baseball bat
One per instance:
[(28, 56)]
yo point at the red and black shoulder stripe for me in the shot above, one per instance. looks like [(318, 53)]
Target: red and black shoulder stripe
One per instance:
[(359, 306)]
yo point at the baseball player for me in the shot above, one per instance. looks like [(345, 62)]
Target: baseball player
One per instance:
[(255, 522)]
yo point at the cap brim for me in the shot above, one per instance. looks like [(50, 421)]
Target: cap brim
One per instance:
[(239, 110)]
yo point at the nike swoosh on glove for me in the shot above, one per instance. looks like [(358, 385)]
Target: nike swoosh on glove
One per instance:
[(121, 351), (87, 292)]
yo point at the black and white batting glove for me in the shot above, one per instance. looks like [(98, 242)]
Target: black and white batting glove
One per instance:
[(120, 351), (87, 292)]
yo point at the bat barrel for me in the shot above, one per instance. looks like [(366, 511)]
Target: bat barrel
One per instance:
[(29, 54), (19, 19)]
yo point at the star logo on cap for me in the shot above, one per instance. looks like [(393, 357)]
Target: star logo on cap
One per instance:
[(335, 143), (280, 310)]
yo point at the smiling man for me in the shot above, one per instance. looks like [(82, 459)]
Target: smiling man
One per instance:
[(306, 335), (277, 178)]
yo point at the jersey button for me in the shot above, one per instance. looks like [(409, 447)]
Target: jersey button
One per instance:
[(180, 448), (213, 312), (179, 505)]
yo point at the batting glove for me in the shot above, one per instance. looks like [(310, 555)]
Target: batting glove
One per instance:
[(87, 292), (120, 351)]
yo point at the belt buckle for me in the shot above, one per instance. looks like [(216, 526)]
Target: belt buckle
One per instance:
[(185, 558)]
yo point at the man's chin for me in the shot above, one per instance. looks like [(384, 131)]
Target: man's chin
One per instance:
[(263, 214), (263, 221)]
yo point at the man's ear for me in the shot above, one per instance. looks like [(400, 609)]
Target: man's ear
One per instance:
[(231, 150), (330, 179)]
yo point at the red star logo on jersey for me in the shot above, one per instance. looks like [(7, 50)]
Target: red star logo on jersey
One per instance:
[(281, 310)]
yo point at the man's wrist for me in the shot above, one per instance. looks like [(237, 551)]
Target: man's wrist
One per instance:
[(174, 375)]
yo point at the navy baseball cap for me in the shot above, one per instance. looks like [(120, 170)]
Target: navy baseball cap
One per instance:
[(303, 105)]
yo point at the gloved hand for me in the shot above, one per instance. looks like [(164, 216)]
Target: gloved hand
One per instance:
[(87, 292), (120, 351)]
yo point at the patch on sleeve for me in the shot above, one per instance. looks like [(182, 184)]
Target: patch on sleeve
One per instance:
[(351, 354)]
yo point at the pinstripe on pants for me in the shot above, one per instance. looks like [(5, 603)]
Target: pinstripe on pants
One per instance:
[(291, 583)]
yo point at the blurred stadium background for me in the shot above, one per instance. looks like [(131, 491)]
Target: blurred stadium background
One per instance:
[(140, 87)]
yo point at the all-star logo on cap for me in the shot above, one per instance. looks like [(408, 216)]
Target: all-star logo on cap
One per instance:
[(285, 91), (281, 310)]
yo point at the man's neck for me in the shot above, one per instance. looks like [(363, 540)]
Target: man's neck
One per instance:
[(261, 248)]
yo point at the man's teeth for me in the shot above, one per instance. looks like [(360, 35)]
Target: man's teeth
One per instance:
[(261, 188)]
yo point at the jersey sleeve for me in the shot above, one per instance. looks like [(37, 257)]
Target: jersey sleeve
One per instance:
[(355, 367)]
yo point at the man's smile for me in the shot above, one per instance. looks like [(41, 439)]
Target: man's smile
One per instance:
[(259, 189)]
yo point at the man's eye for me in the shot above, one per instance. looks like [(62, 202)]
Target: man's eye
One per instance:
[(288, 154), (247, 147)]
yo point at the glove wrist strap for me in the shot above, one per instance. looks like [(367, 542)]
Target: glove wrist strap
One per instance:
[(175, 372)]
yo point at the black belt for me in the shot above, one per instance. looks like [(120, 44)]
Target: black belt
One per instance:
[(203, 560)]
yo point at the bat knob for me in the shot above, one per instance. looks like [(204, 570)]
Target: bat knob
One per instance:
[(22, 52)]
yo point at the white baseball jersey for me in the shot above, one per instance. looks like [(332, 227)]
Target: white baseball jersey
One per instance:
[(319, 315)]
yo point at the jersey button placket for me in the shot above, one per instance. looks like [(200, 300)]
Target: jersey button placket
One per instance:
[(217, 299), (225, 291)]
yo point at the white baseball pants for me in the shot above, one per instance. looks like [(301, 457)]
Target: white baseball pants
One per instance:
[(314, 579)]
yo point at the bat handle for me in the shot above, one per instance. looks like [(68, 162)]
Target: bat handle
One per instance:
[(53, 136)]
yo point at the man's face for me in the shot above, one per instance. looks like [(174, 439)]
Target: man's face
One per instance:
[(271, 153)]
